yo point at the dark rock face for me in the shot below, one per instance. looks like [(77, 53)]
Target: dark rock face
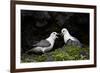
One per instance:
[(37, 25)]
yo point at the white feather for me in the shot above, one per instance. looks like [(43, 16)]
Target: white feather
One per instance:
[(66, 35), (51, 40)]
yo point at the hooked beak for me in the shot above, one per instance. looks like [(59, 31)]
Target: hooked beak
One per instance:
[(61, 34), (57, 35)]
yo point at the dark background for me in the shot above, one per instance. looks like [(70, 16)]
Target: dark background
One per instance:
[(37, 25)]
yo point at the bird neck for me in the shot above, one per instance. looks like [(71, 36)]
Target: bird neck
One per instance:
[(67, 33), (68, 36), (50, 39)]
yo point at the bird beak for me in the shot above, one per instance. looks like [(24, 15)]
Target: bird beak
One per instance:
[(56, 36), (61, 34)]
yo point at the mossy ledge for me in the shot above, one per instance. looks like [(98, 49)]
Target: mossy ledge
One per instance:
[(65, 53)]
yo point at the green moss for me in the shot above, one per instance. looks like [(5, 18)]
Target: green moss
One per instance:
[(60, 54), (40, 58)]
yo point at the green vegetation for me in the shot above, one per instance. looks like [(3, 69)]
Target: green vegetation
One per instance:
[(61, 54)]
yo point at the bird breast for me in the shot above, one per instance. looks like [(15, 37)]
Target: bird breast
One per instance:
[(51, 42), (67, 37)]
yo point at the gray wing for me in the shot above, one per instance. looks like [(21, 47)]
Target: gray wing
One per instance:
[(75, 42), (43, 43), (78, 43)]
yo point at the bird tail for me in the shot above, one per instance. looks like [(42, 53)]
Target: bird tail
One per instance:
[(28, 51)]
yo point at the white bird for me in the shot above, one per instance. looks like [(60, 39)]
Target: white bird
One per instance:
[(45, 45), (70, 40)]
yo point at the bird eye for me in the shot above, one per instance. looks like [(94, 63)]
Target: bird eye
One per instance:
[(54, 33)]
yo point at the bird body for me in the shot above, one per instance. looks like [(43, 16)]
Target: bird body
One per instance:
[(70, 40), (45, 45)]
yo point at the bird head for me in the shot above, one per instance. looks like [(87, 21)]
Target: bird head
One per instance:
[(54, 35), (64, 31)]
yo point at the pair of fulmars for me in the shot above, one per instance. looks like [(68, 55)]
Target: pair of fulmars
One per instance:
[(47, 44)]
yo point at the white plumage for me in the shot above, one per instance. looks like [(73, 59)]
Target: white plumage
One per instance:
[(68, 37), (45, 45)]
